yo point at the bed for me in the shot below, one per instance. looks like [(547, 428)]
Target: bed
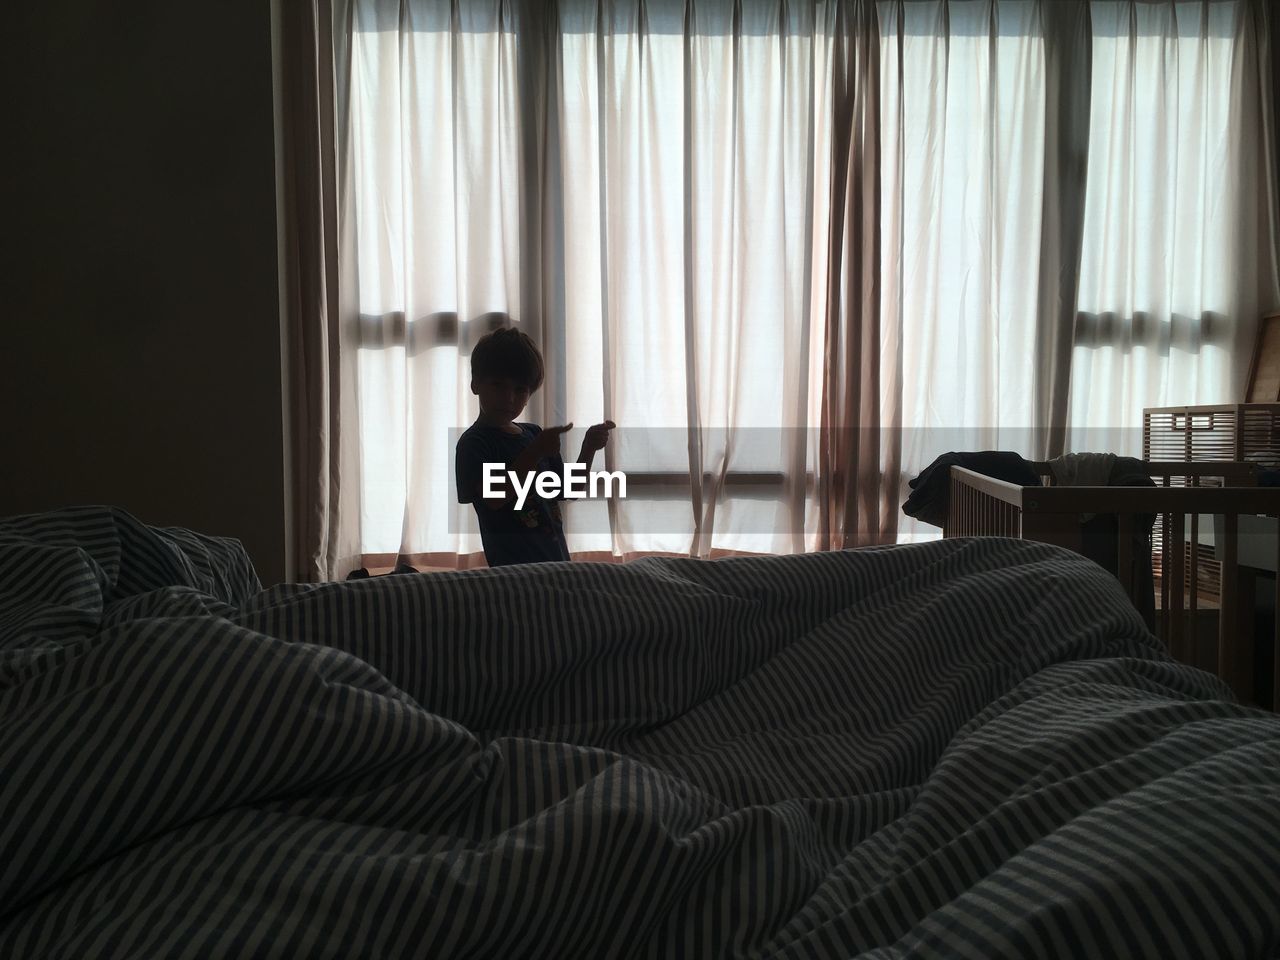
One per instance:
[(966, 748)]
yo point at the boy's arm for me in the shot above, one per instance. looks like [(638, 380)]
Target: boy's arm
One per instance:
[(467, 457), (471, 455), (595, 439)]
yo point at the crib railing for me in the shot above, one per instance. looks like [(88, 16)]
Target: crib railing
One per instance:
[(983, 506)]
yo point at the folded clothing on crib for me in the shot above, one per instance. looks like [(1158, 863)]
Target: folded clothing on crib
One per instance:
[(930, 496)]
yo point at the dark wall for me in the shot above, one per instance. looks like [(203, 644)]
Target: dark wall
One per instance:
[(141, 341)]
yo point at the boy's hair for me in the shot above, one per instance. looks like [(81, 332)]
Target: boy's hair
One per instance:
[(508, 353)]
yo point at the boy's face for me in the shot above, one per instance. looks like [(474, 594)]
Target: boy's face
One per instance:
[(501, 398)]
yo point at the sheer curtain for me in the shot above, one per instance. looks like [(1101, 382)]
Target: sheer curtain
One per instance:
[(795, 250), (645, 189), (979, 198), (435, 154), (1079, 216), (1180, 257), (858, 479), (318, 298)]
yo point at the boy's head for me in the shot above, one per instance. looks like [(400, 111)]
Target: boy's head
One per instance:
[(506, 367)]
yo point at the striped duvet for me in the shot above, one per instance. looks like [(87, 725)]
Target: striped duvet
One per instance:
[(969, 748)]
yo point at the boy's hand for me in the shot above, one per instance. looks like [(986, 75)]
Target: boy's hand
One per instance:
[(597, 436), (547, 443)]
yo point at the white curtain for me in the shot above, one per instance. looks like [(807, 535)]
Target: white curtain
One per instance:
[(963, 144), (432, 111), (640, 187), (1178, 261), (1068, 194), (996, 123)]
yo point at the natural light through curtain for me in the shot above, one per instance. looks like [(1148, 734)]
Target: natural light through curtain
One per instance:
[(646, 187), (687, 232), (674, 256), (963, 108), (436, 176), (1170, 286)]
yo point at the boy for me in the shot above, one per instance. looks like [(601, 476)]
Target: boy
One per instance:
[(506, 368)]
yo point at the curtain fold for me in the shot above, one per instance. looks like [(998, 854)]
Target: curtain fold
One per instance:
[(316, 285), (1067, 91), (857, 471), (1266, 25)]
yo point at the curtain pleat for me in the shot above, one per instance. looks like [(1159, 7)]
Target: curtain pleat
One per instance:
[(1266, 26), (310, 273), (320, 288), (858, 489), (1067, 54)]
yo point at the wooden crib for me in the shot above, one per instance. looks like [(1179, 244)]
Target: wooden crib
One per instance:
[(1226, 492)]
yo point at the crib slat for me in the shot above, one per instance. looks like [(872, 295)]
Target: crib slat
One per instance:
[(1174, 612), (1193, 576), (1166, 631), (1235, 652), (1124, 555)]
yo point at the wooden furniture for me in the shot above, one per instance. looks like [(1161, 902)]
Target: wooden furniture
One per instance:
[(1264, 371), (1212, 432), (1208, 433), (983, 506)]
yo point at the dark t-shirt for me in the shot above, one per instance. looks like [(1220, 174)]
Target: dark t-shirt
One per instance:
[(533, 534)]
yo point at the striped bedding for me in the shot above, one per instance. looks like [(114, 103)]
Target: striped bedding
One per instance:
[(969, 748)]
